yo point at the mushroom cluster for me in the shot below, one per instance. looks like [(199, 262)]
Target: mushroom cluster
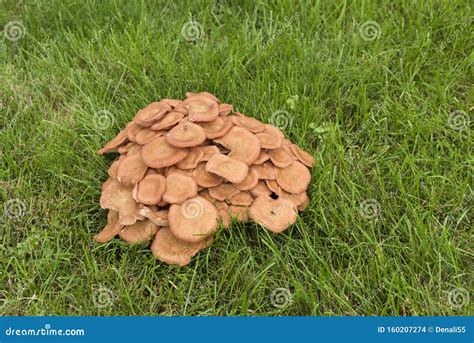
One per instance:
[(187, 166)]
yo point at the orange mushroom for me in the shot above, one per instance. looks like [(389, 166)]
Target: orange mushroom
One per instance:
[(192, 160), (186, 134), (274, 215), (294, 179), (304, 157), (131, 170), (169, 120), (158, 153), (111, 229), (118, 197), (243, 145), (120, 139), (223, 192), (150, 190), (204, 178), (179, 188), (140, 232), (152, 112), (230, 169), (281, 157)]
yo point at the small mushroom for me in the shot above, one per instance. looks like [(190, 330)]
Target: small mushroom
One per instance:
[(159, 218), (223, 192), (111, 229), (216, 128), (174, 169), (140, 232), (169, 249), (251, 124), (249, 182), (274, 215), (241, 199), (230, 169), (281, 157), (146, 135), (200, 108), (179, 188), (204, 178), (260, 189), (186, 134), (294, 179), (224, 109), (204, 94), (131, 170), (269, 141), (158, 153), (265, 171), (192, 160), (194, 220), (304, 157), (244, 145), (169, 120), (152, 112), (150, 190), (208, 151), (274, 131), (132, 131), (262, 157)]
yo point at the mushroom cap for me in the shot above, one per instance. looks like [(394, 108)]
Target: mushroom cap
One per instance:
[(241, 199), (249, 182), (159, 218), (274, 187), (179, 188), (294, 179), (112, 171), (269, 141), (150, 113), (150, 190), (140, 232), (216, 128), (132, 130), (158, 153), (274, 131), (146, 134), (281, 157), (230, 169), (194, 220), (204, 178), (131, 170), (112, 145), (200, 108), (169, 120), (262, 157), (224, 109), (174, 169), (118, 197), (304, 157), (251, 124), (274, 215), (186, 134), (243, 144), (172, 102), (260, 189), (204, 94), (111, 229), (223, 192), (265, 171), (169, 249), (192, 160), (209, 151)]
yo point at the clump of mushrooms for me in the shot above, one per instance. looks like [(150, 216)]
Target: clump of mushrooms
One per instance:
[(187, 167)]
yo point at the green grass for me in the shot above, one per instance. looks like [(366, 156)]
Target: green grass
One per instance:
[(375, 114)]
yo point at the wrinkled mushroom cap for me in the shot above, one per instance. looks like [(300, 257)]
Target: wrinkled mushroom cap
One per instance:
[(158, 153), (111, 229), (244, 145), (304, 157), (150, 190), (204, 178), (223, 192), (275, 215), (194, 220), (192, 160), (140, 232), (281, 157), (118, 197), (150, 113), (131, 170)]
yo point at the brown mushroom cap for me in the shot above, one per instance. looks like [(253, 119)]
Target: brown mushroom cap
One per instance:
[(132, 130), (274, 131), (249, 182), (117, 141), (159, 218), (203, 94), (172, 102), (204, 178), (274, 187), (223, 192), (239, 212), (145, 135), (169, 120), (140, 232), (269, 141), (118, 197), (251, 124), (275, 215), (209, 151), (192, 160), (230, 169), (224, 109), (304, 157), (150, 113), (241, 199), (179, 188), (158, 153), (200, 108), (131, 170), (216, 128), (294, 179), (150, 190), (111, 229), (112, 171), (244, 145), (281, 157), (265, 171), (169, 249), (260, 189), (262, 157), (194, 220), (186, 134), (174, 169)]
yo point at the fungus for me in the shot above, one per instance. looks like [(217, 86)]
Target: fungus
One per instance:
[(243, 145), (269, 141), (179, 188), (294, 179), (230, 169), (192, 160), (170, 120), (140, 232), (304, 157), (224, 109), (111, 229), (223, 192), (150, 190), (274, 215), (241, 199), (251, 124), (249, 182), (281, 157), (186, 134), (131, 170), (118, 197), (204, 178), (216, 128), (158, 153), (120, 139), (152, 112)]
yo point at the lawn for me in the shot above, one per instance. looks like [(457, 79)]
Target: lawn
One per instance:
[(380, 92)]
